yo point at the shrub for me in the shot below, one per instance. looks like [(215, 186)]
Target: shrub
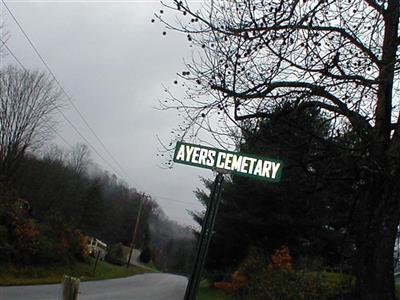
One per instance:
[(236, 283), (251, 267), (24, 240), (78, 245), (115, 254), (26, 231), (258, 279), (26, 237), (281, 260), (145, 255), (48, 251), (3, 235), (7, 253), (52, 242)]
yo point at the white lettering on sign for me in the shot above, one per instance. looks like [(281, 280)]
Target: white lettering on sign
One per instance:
[(189, 152), (228, 161), (196, 155), (275, 168), (211, 158), (266, 169), (258, 169), (243, 169), (251, 166), (181, 153), (203, 156), (215, 158), (236, 163), (220, 164)]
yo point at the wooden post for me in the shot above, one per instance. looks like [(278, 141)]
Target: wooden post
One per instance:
[(97, 260), (70, 288)]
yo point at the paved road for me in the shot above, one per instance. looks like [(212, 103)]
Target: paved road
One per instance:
[(156, 286)]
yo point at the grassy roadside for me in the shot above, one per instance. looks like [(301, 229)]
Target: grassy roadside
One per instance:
[(125, 250), (208, 292), (11, 275)]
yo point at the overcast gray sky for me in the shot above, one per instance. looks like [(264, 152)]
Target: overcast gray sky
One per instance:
[(113, 61)]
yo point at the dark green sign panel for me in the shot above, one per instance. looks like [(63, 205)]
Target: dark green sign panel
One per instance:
[(239, 163)]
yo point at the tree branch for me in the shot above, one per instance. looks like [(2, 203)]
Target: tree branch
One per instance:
[(375, 6), (341, 31), (313, 90)]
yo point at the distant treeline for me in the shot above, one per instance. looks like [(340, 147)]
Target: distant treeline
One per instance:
[(61, 184), (57, 198)]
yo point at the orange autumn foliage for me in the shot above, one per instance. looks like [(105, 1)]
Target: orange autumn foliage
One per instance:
[(281, 260), (83, 244), (27, 239), (236, 283), (26, 231)]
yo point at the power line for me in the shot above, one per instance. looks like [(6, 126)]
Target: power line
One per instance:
[(69, 97), (66, 118), (61, 137), (179, 206), (12, 54), (173, 200), (87, 141)]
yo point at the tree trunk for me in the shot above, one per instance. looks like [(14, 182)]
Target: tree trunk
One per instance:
[(376, 229)]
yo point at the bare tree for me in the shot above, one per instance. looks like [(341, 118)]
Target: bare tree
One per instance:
[(54, 153), (339, 56), (79, 158), (27, 103)]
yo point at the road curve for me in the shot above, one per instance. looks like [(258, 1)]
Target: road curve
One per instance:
[(151, 286)]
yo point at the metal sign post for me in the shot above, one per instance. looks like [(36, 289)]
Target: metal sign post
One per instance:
[(205, 238), (223, 162)]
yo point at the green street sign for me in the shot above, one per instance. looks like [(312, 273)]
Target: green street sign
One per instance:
[(235, 162)]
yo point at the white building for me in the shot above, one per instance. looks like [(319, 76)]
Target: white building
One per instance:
[(97, 247)]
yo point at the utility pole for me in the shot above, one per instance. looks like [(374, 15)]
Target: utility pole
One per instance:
[(133, 242)]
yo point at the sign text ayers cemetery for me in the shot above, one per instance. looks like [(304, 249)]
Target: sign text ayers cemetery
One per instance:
[(241, 164)]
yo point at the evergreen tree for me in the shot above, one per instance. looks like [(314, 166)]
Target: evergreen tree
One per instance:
[(305, 211)]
